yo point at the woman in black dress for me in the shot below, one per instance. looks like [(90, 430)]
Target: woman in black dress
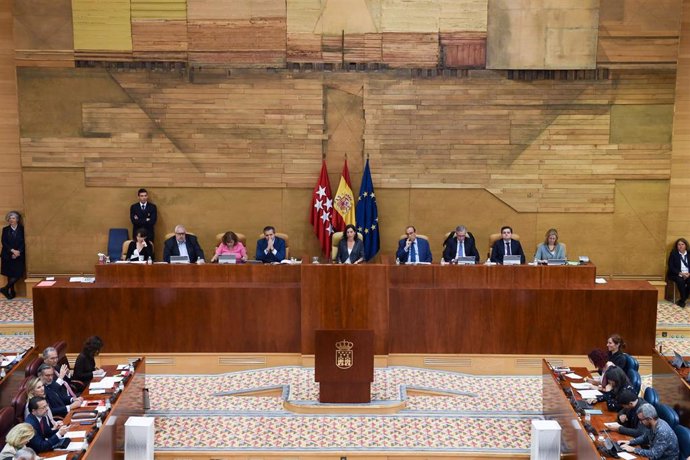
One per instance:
[(12, 255), (85, 365)]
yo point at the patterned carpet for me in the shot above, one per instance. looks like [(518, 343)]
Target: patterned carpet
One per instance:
[(470, 419)]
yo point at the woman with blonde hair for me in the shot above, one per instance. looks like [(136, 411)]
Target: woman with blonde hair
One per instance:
[(550, 248), (35, 387), (16, 439)]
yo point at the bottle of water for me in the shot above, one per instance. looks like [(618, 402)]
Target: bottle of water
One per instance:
[(149, 261), (397, 261), (2, 373)]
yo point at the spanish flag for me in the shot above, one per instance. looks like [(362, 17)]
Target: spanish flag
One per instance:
[(344, 201)]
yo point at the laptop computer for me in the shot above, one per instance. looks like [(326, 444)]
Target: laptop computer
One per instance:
[(465, 260), (556, 261), (512, 260), (678, 361), (227, 259), (179, 259)]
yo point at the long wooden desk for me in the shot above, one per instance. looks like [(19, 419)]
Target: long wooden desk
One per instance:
[(108, 442), (14, 377), (671, 385), (412, 309), (575, 439)]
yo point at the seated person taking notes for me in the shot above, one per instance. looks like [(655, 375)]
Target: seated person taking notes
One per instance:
[(658, 441), (350, 248), (183, 244), (230, 244), (550, 248), (270, 248), (412, 249), (460, 246), (506, 246), (679, 269)]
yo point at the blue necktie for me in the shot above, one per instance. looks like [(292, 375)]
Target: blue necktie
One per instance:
[(413, 252)]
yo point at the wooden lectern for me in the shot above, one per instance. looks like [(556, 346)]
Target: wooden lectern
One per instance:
[(344, 365)]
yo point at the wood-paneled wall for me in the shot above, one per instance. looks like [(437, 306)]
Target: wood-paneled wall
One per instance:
[(679, 191), (11, 189)]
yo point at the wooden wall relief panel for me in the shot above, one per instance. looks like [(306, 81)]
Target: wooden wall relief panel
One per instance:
[(534, 35), (43, 33), (159, 30), (237, 33), (539, 147), (638, 34), (102, 25)]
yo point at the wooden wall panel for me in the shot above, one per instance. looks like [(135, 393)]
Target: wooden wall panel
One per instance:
[(635, 33), (152, 9), (11, 189), (528, 35), (679, 193), (43, 33), (102, 25)]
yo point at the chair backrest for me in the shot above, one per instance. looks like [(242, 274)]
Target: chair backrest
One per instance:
[(171, 234), (683, 435), (651, 396), (6, 422), (497, 236), (125, 247), (19, 404), (667, 414), (116, 237), (424, 237), (282, 236), (450, 236), (632, 363), (240, 236), (335, 240), (32, 367), (635, 380)]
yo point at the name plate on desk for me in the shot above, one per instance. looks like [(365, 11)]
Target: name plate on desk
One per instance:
[(556, 261), (179, 259)]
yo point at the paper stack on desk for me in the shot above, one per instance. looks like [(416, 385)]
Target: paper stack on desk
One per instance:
[(589, 394), (104, 384), (582, 386)]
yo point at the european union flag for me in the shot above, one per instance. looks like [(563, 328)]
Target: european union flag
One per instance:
[(367, 215)]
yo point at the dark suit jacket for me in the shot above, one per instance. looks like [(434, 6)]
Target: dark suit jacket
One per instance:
[(151, 213), (58, 399), (674, 263), (278, 245), (146, 252), (498, 251), (13, 268), (193, 249), (423, 251), (357, 251), (450, 251), (45, 438)]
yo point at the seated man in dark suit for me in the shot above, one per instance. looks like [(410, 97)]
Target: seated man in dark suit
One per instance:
[(413, 249), (46, 438), (270, 248), (460, 246), (63, 373), (58, 398), (183, 245), (506, 246)]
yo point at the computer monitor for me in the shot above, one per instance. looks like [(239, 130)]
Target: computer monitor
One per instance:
[(512, 260), (179, 259), (556, 261), (465, 260), (227, 259)]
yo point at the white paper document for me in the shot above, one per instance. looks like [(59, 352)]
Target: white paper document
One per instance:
[(573, 376), (589, 394), (104, 384), (75, 434), (626, 455), (76, 445), (582, 386)]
